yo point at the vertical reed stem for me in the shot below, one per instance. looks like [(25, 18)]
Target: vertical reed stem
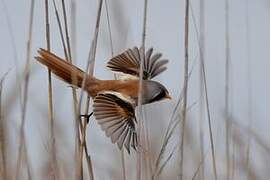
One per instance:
[(112, 54), (185, 90), (201, 89), (90, 69), (140, 110), (78, 123), (3, 132), (249, 89), (53, 161), (227, 88), (22, 142), (207, 106)]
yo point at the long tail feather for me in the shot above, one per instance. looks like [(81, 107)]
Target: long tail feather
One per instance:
[(61, 68)]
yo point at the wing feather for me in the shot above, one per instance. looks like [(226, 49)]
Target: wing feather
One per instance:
[(116, 116), (148, 54), (122, 138), (129, 61), (127, 142)]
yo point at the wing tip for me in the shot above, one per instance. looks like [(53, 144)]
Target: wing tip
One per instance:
[(128, 61), (41, 51)]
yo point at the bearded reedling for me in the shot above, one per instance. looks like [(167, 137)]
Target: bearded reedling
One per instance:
[(115, 100)]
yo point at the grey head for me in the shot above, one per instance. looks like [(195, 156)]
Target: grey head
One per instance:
[(154, 91)]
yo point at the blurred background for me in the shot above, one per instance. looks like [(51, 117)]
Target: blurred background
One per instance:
[(230, 36)]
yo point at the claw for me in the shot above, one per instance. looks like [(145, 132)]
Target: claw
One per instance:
[(87, 116)]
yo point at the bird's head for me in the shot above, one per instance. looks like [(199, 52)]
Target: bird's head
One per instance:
[(154, 91)]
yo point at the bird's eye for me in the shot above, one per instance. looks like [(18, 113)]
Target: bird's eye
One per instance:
[(158, 96)]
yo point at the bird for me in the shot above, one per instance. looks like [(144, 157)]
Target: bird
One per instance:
[(114, 101)]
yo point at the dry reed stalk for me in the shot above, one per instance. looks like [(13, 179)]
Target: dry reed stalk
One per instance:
[(78, 123), (90, 70), (123, 164), (167, 160), (17, 88), (26, 160), (175, 119), (3, 132), (66, 30), (185, 90), (92, 55), (140, 110), (145, 148), (227, 89), (73, 28), (239, 132), (112, 54), (200, 165), (83, 145), (173, 122), (22, 143), (150, 164), (60, 30), (233, 159), (209, 125), (53, 160), (239, 142), (170, 130), (78, 120), (109, 27), (253, 134), (93, 48), (168, 134), (249, 90), (12, 37), (201, 89), (206, 101)]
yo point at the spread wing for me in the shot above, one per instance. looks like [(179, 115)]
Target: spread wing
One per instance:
[(128, 62), (117, 118)]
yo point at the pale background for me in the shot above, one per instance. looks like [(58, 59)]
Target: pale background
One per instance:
[(165, 32)]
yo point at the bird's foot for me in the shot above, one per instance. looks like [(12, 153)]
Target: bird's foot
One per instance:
[(87, 116)]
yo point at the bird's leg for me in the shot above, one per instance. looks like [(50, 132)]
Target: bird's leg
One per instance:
[(87, 116), (73, 86)]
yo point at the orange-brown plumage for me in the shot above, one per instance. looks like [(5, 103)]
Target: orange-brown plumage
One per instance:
[(115, 100), (73, 75)]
